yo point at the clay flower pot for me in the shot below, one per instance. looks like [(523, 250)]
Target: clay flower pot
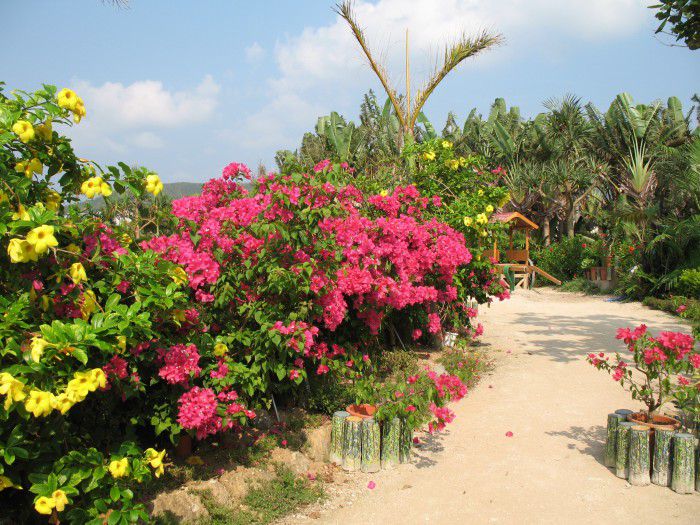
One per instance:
[(364, 410), (654, 421)]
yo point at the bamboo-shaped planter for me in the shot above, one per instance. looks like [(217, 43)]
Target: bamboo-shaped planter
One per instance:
[(391, 439), (661, 464), (683, 477), (622, 447), (337, 436), (613, 421), (352, 443), (371, 446), (639, 456)]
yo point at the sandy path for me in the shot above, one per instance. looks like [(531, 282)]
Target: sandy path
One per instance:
[(550, 471)]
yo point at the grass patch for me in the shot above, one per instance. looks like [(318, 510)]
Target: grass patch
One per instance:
[(273, 500), (465, 363), (580, 284)]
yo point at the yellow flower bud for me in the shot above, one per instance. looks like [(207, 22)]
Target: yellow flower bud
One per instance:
[(77, 273), (220, 349), (21, 214), (37, 347)]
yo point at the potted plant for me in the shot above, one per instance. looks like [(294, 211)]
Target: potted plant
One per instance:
[(655, 373)]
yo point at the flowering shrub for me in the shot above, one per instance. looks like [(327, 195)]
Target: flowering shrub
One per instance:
[(660, 367), (98, 339)]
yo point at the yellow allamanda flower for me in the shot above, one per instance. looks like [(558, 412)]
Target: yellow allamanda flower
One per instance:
[(6, 483), (484, 233), (480, 193), (468, 221), (19, 251), (60, 499), (119, 468), (45, 130), (153, 184), (155, 459), (462, 162), (77, 273), (29, 167), (446, 144), (39, 403), (37, 347), (24, 130), (21, 214), (453, 164), (98, 379), (220, 349), (88, 304), (62, 403), (44, 505), (42, 238), (12, 388), (179, 276), (79, 111), (67, 99), (481, 218), (91, 187), (489, 209), (429, 155), (53, 200)]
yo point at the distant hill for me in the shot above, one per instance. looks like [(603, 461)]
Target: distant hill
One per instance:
[(176, 190)]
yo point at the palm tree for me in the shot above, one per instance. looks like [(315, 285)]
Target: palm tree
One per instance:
[(407, 111)]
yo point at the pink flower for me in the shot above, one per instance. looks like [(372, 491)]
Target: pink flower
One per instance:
[(180, 362), (416, 334), (509, 434), (293, 374), (284, 442), (322, 369), (365, 357), (371, 485), (682, 308), (123, 286), (416, 441), (683, 381), (410, 408)]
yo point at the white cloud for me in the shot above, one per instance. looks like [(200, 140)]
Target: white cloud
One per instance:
[(327, 59), (254, 52), (148, 103), (147, 140)]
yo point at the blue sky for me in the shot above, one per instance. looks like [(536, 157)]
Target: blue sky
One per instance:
[(185, 87)]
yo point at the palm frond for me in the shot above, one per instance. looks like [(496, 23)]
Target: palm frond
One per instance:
[(455, 54)]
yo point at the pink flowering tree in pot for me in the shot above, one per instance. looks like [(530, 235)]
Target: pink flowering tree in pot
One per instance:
[(656, 372)]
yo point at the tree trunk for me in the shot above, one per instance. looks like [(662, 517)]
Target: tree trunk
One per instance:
[(571, 223), (352, 443), (391, 435), (661, 473), (371, 446), (639, 456), (622, 447), (546, 224), (683, 478), (613, 421), (337, 426)]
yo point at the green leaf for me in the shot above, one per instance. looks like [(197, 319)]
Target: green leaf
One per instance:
[(114, 493)]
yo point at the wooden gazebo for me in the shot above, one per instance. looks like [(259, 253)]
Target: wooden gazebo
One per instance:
[(518, 261)]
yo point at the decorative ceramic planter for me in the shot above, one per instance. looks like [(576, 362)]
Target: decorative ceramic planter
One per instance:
[(364, 411), (654, 422)]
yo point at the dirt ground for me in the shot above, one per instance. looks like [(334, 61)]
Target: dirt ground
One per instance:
[(554, 403)]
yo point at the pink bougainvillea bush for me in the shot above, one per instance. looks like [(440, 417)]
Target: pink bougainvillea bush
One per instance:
[(300, 274), (657, 369)]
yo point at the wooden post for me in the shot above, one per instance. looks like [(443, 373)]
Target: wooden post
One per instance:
[(661, 465), (639, 456), (391, 434), (352, 443), (622, 448), (371, 446), (337, 426), (405, 443), (683, 477), (613, 421)]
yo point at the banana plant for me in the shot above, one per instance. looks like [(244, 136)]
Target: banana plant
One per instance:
[(337, 133)]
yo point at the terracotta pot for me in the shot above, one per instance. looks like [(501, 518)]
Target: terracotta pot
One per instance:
[(655, 421), (183, 450), (364, 411)]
